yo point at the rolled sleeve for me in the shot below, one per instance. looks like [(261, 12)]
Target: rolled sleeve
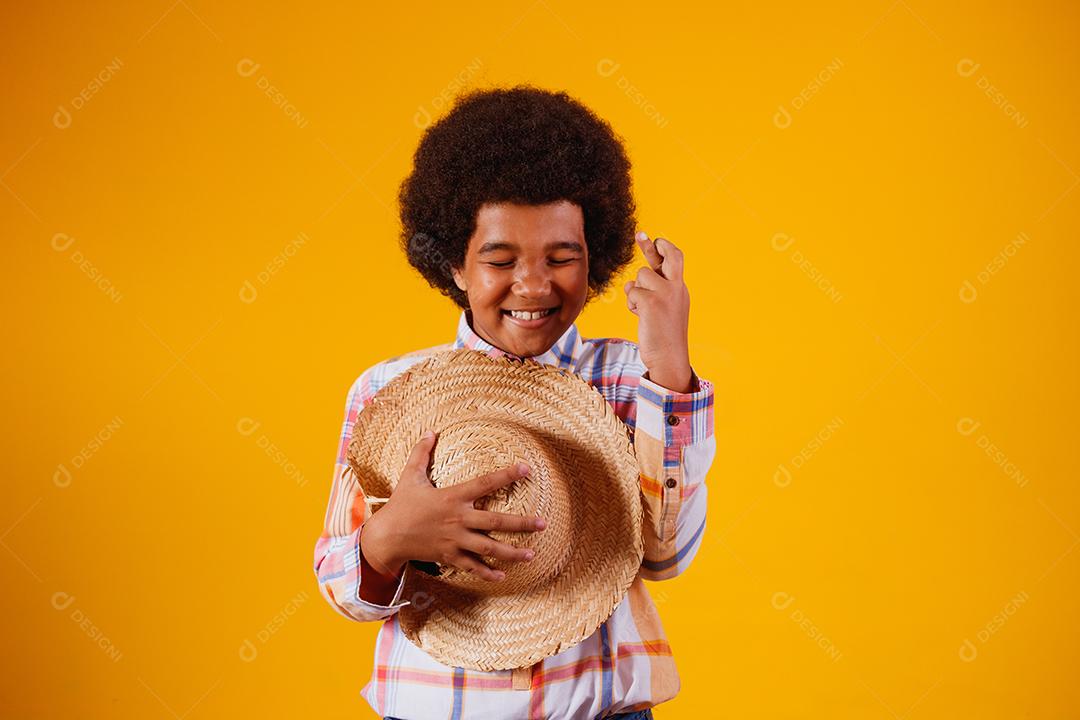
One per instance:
[(338, 564), (338, 567), (674, 443)]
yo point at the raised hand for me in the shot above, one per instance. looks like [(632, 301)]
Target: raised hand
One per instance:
[(661, 301)]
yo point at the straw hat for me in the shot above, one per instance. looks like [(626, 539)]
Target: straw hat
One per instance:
[(490, 412)]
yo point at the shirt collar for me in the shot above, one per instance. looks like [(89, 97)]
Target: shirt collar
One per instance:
[(564, 353)]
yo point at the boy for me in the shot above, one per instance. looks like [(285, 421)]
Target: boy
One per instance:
[(519, 209)]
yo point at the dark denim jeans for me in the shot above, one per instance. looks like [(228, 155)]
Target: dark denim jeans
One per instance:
[(639, 715)]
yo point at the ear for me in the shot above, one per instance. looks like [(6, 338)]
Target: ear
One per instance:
[(459, 279)]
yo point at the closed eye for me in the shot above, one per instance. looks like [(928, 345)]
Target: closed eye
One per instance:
[(511, 262)]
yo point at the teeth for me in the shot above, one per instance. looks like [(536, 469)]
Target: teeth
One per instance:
[(531, 315)]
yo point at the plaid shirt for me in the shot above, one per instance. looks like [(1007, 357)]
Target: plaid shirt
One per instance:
[(627, 664)]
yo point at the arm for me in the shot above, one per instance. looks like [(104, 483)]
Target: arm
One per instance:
[(674, 443), (345, 579)]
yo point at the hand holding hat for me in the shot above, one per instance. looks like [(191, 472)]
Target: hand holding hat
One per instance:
[(423, 522)]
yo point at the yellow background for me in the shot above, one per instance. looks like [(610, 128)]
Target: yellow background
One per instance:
[(911, 564)]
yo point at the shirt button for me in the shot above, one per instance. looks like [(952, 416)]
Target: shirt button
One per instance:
[(671, 482), (672, 419)]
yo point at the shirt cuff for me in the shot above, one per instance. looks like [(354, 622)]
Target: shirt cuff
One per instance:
[(676, 419), (395, 604)]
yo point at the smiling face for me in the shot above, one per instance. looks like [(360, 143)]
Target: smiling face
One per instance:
[(530, 258)]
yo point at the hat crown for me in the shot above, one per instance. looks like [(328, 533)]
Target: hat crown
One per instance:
[(482, 443)]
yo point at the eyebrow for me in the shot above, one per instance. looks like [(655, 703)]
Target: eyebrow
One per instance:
[(494, 245)]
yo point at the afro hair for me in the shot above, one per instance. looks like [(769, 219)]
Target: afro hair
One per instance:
[(523, 145)]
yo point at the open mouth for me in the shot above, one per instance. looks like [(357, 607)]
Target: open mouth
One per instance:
[(530, 320), (529, 316)]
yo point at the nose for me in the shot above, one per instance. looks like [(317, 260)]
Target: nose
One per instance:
[(533, 281)]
